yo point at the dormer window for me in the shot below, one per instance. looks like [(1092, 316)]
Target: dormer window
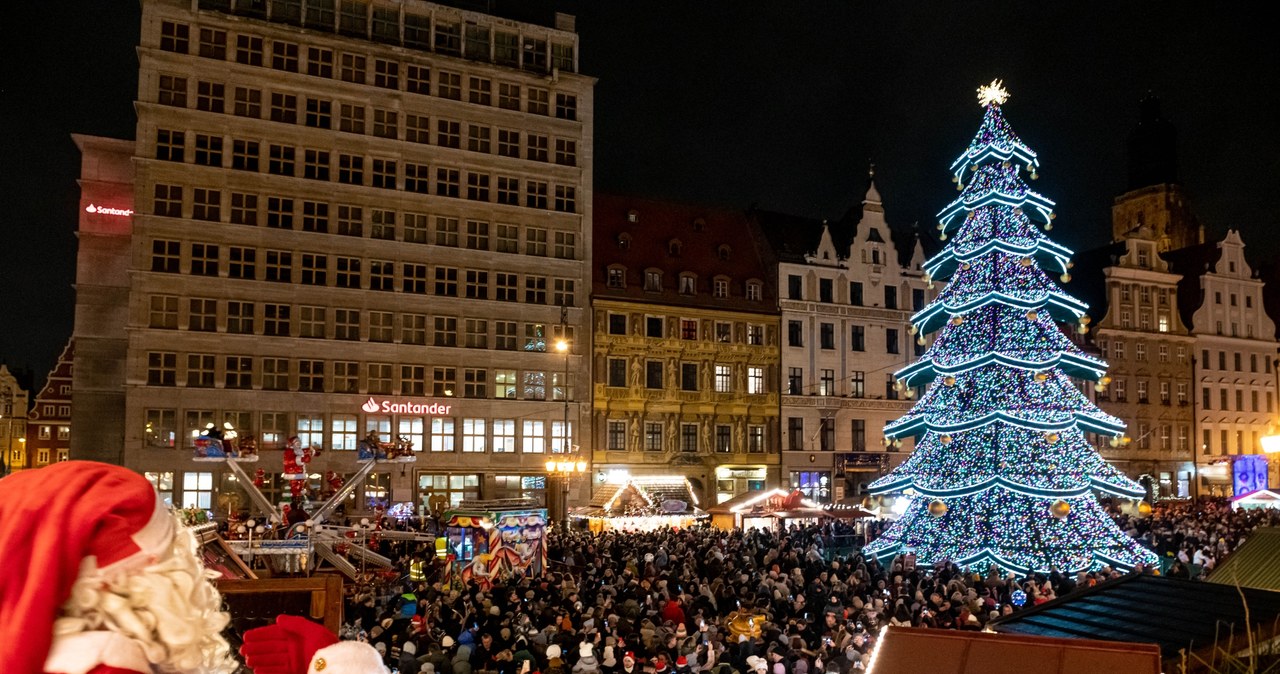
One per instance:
[(653, 280), (724, 251), (673, 247), (720, 288), (633, 216), (1144, 257), (688, 284), (617, 277), (698, 224), (755, 291), (624, 241)]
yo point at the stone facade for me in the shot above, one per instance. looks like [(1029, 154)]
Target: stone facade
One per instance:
[(388, 203)]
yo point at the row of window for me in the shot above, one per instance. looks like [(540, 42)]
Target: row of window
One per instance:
[(687, 283), (1237, 361), (857, 337), (360, 19), (206, 370), (826, 293), (1224, 446), (343, 432), (17, 458), (1224, 397), (245, 154), (1248, 299), (652, 374), (1162, 296), (1146, 437), (651, 436), (854, 386), (660, 327), (1116, 349), (1144, 320), (825, 438), (317, 269), (389, 174), (1119, 392)]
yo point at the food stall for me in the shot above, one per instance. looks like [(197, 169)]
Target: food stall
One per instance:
[(642, 503)]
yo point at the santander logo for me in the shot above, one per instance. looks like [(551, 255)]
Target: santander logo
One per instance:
[(372, 406), (103, 210)]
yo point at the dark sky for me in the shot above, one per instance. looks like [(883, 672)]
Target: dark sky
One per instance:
[(736, 102)]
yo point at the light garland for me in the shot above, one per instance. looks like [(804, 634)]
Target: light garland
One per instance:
[(1002, 472)]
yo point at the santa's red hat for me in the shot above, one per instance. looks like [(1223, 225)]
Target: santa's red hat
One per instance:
[(56, 523)]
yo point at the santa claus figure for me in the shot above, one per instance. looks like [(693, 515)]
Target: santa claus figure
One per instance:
[(295, 645), (100, 578)]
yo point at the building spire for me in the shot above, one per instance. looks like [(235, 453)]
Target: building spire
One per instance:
[(872, 199)]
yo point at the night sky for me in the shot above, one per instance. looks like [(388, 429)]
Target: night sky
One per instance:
[(734, 103)]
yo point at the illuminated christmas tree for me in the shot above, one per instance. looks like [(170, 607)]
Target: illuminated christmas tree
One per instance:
[(1002, 472)]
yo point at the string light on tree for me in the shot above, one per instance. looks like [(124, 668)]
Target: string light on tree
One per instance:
[(1002, 472)]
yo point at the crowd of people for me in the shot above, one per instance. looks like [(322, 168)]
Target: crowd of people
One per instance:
[(706, 600)]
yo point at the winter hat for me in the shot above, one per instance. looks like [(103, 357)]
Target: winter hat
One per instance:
[(660, 664), (584, 650), (446, 642), (681, 631), (757, 663), (410, 648), (101, 519), (553, 651), (381, 647), (682, 661), (629, 656), (348, 657), (608, 660)]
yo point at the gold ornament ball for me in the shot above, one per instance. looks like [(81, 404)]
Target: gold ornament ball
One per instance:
[(949, 381), (1026, 262), (920, 340), (1144, 508), (1084, 329), (1051, 437), (911, 330), (1104, 381), (942, 237), (1042, 377), (1032, 315), (946, 439), (1085, 320), (1048, 227), (1035, 176), (937, 508), (1066, 278), (1060, 509), (965, 266), (957, 320)]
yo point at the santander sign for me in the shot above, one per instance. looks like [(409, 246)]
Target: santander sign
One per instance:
[(372, 406)]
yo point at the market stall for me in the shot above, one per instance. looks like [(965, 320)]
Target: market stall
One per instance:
[(758, 509), (488, 540), (642, 503), (1256, 500)]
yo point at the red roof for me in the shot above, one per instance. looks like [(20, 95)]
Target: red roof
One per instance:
[(639, 235)]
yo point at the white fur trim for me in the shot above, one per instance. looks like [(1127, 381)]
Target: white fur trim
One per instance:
[(80, 653), (154, 541), (347, 657)]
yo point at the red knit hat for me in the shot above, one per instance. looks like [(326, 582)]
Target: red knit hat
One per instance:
[(57, 522)]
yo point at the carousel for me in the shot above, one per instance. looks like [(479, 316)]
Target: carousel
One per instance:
[(493, 540)]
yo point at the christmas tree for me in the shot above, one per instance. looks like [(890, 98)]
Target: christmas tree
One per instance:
[(1002, 472)]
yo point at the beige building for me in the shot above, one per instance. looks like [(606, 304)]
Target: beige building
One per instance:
[(335, 211), (14, 402), (846, 297), (685, 346), (1149, 350), (1235, 346)]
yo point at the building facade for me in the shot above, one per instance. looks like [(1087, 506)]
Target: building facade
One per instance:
[(1144, 340), (685, 348), (49, 422), (1235, 347), (846, 299), (14, 403), (337, 211)]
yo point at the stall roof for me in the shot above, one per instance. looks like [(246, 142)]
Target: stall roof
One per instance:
[(654, 491), (1253, 564), (1260, 496), (955, 652), (744, 503), (1170, 612)]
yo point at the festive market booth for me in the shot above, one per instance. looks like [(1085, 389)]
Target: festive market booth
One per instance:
[(488, 540), (763, 510), (1256, 500), (642, 503)]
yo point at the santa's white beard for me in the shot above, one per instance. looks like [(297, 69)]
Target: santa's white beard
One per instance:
[(170, 609)]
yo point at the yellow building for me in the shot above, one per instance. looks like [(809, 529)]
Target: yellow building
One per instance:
[(685, 348), (13, 422)]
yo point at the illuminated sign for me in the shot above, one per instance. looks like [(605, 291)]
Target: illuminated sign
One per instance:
[(372, 406), (103, 210)]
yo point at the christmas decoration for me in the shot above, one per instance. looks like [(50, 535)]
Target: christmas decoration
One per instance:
[(1002, 472)]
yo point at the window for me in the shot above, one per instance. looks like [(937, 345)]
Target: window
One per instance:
[(200, 370), (534, 437), (505, 335), (535, 290), (795, 333), (504, 436), (827, 335), (479, 89), (446, 331), (477, 186), (280, 160), (652, 436), (724, 442), (535, 337), (315, 165), (275, 320), (379, 375), (855, 293), (890, 297), (795, 381), (535, 194), (202, 314), (197, 490), (213, 44), (566, 106), (284, 56), (688, 437), (446, 282), (244, 155), (168, 202), (248, 102), (447, 182), (162, 368), (617, 372), (414, 278), (386, 74), (351, 118), (891, 340), (279, 266), (319, 113), (688, 328), (206, 204), (348, 272), (311, 376), (755, 380), (561, 437), (385, 123), (795, 433), (539, 99), (441, 434), (172, 90), (858, 384), (450, 85), (417, 77), (724, 379), (653, 374), (508, 143), (175, 37), (616, 436), (689, 376), (754, 291), (564, 292), (284, 108), (170, 145), (164, 312), (204, 259), (384, 174), (346, 324), (161, 428), (566, 152), (350, 169), (242, 263), (505, 384), (827, 383), (477, 333)]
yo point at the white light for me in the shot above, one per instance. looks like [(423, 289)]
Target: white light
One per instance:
[(1271, 443), (992, 93), (900, 505)]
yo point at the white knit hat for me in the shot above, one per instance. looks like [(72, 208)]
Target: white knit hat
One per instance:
[(553, 651)]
